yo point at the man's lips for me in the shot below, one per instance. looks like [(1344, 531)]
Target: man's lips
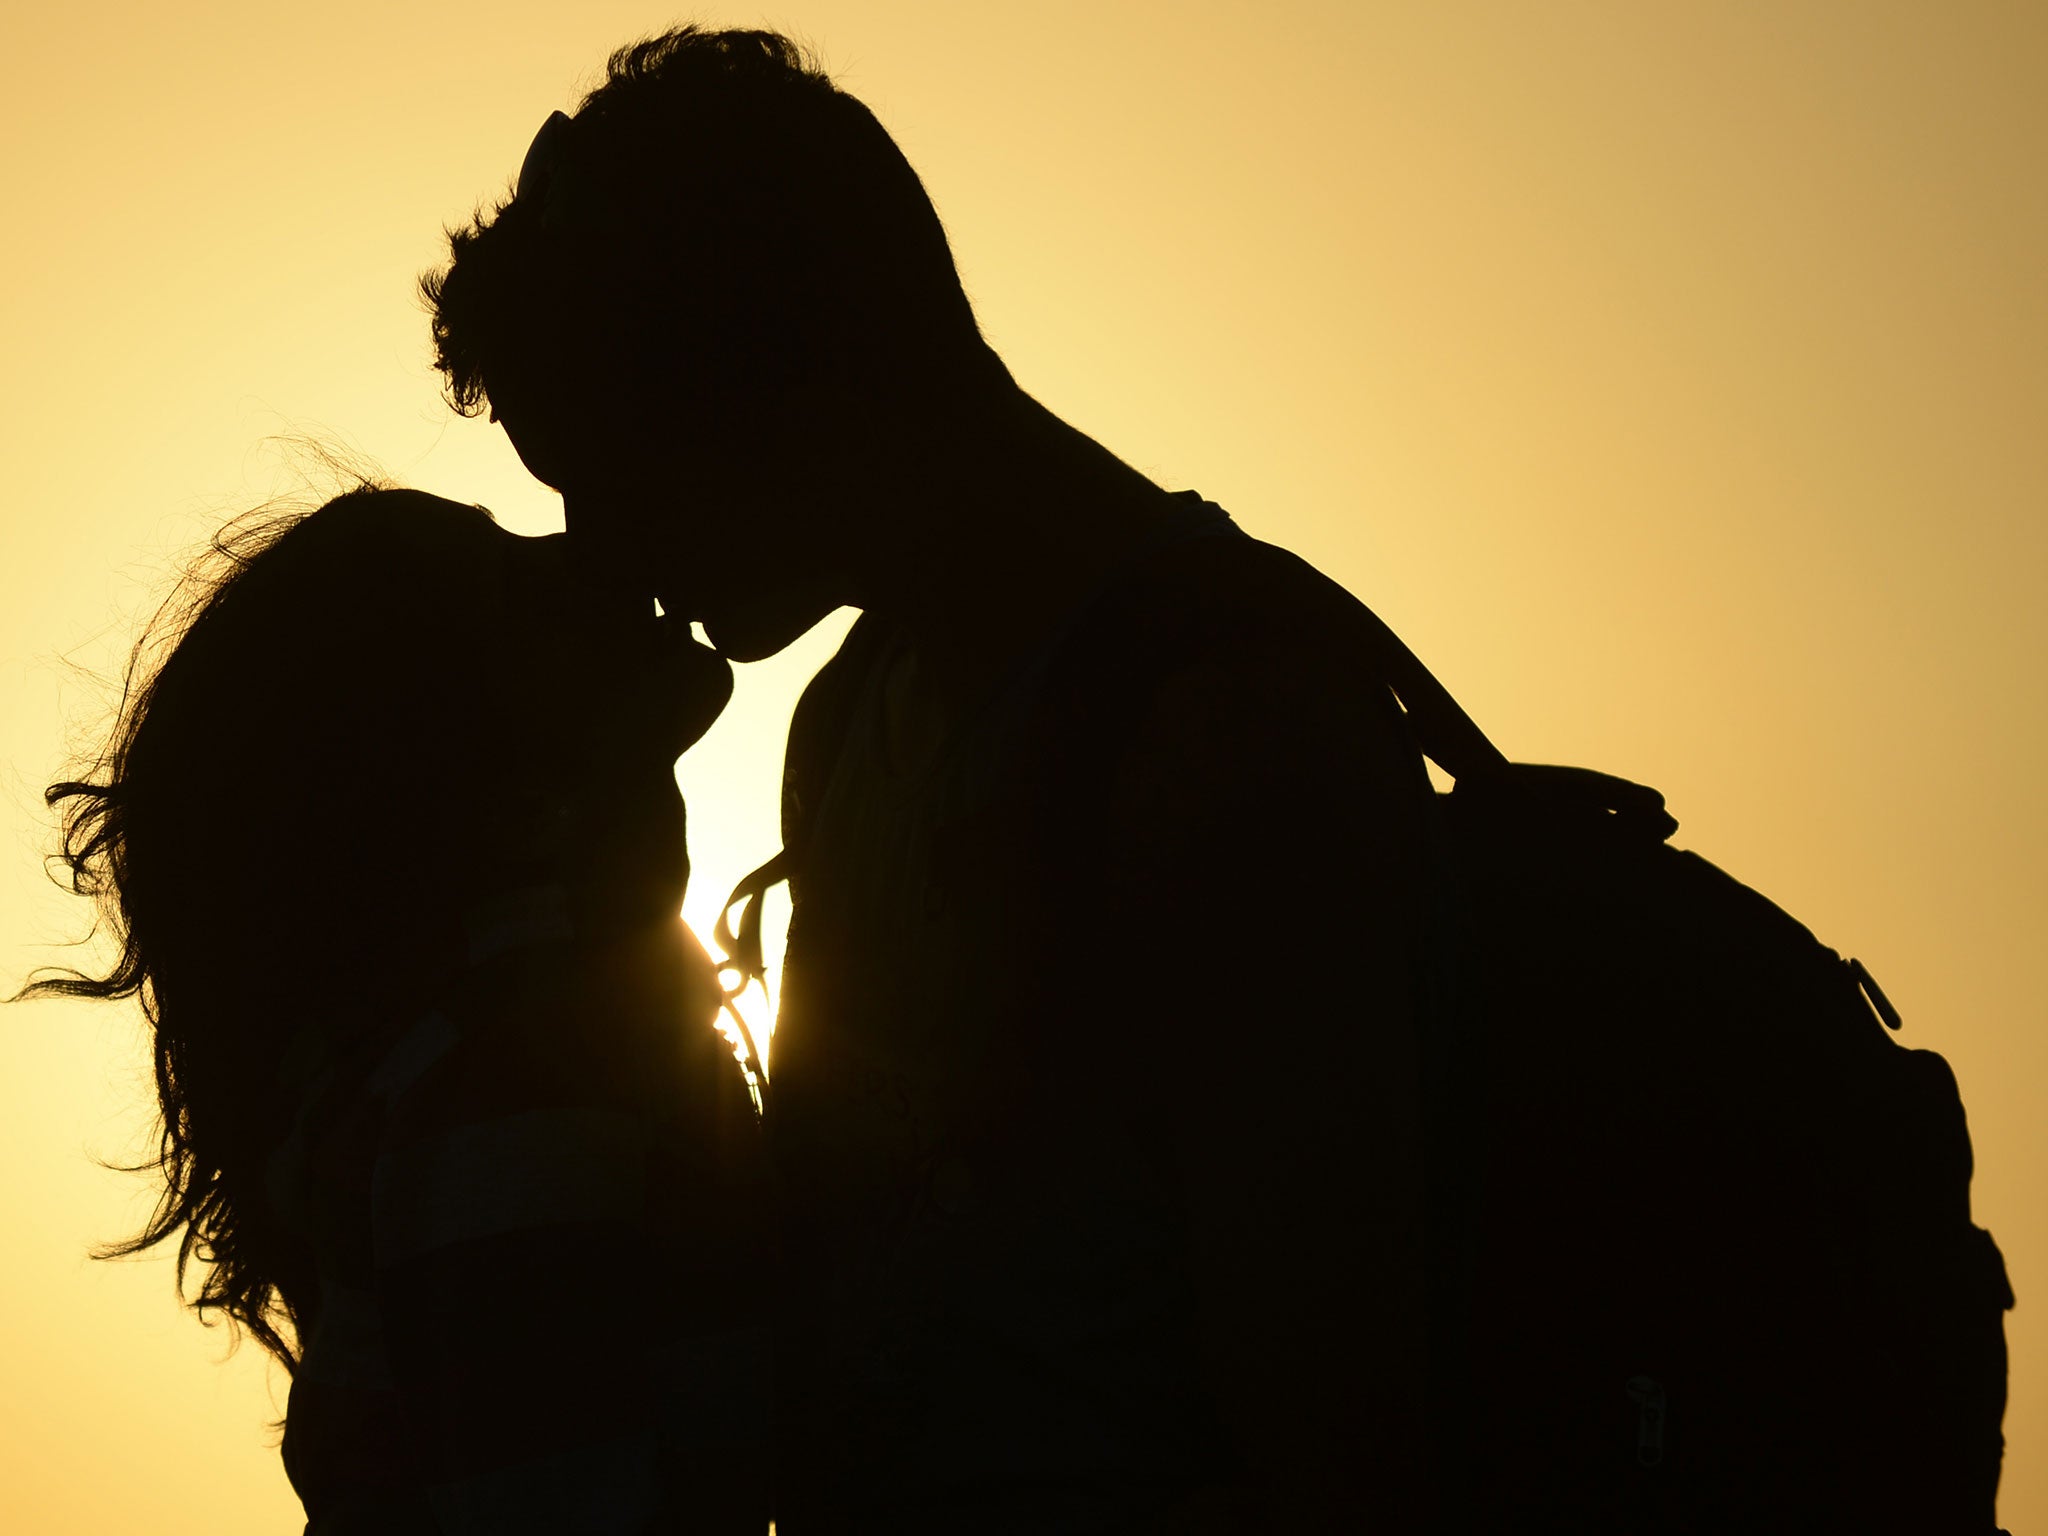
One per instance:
[(687, 613), (676, 604)]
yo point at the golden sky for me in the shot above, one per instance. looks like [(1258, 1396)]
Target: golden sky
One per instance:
[(1673, 376)]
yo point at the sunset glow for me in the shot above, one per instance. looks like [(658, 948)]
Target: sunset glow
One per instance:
[(1672, 377)]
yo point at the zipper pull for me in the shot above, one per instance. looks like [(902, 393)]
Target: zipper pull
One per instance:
[(1874, 995), (1647, 1393)]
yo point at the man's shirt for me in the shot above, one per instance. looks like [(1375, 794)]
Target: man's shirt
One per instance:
[(1159, 873)]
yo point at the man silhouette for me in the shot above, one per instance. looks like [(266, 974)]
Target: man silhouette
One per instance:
[(1094, 1088)]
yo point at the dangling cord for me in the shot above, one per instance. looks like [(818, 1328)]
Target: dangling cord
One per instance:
[(741, 956)]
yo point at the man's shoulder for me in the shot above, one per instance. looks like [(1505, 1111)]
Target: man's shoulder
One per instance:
[(1212, 640), (1222, 602), (1214, 595), (1225, 672)]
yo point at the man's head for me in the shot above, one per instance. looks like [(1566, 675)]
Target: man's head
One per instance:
[(718, 297)]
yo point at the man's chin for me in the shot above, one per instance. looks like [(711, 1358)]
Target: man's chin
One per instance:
[(744, 638)]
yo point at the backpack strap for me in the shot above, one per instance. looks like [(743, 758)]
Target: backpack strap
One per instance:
[(1448, 736), (1450, 739)]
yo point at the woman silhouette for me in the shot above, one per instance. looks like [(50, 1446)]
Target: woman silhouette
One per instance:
[(391, 843)]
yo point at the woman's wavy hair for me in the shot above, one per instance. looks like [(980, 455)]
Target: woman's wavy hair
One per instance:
[(717, 223), (262, 833)]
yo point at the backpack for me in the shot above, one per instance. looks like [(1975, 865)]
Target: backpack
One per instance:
[(1701, 1249)]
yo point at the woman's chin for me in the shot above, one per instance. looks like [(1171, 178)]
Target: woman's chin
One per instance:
[(656, 904), (617, 907)]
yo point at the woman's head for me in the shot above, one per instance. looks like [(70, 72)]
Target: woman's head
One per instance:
[(346, 730)]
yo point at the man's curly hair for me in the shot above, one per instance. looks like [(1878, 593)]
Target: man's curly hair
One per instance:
[(716, 217)]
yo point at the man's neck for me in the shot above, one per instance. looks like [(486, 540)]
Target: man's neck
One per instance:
[(1019, 522)]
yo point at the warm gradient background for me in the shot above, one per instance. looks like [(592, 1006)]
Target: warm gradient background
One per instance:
[(1673, 376)]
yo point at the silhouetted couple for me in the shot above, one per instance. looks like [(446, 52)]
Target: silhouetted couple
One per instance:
[(1085, 1197)]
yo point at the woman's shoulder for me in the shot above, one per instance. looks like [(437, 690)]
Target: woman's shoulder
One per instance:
[(621, 1026)]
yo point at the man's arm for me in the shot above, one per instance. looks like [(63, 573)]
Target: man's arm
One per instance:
[(1269, 867)]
